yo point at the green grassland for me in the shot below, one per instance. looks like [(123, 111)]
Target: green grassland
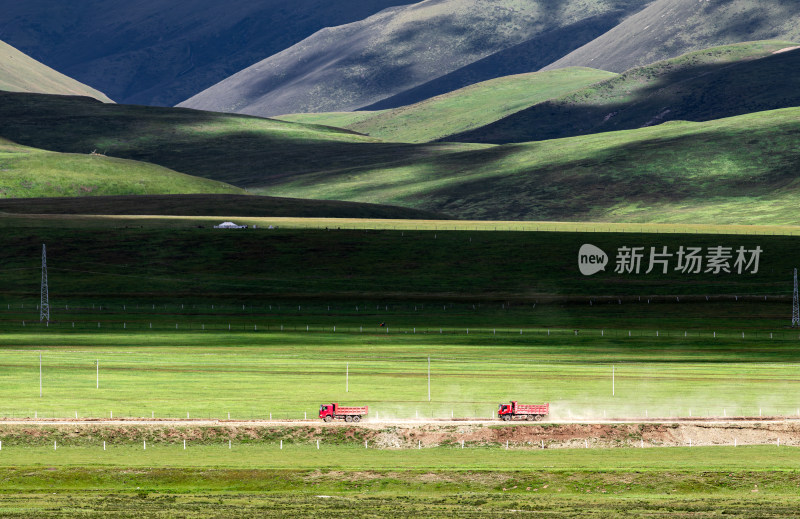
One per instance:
[(746, 482), (21, 73), (290, 304), (699, 86), (17, 215), (461, 110), (114, 276), (271, 374), (750, 460), (185, 260), (29, 172), (726, 171)]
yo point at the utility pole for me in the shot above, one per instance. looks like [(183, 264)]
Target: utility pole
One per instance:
[(795, 304), (429, 379), (44, 306)]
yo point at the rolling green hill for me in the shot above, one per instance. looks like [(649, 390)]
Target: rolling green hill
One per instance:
[(737, 170), (669, 28), (351, 66), (464, 109), (21, 73), (29, 172), (241, 150), (699, 86)]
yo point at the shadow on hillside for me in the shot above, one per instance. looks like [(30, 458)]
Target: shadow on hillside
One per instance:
[(465, 184), (674, 171), (358, 67), (688, 92), (528, 56), (169, 137)]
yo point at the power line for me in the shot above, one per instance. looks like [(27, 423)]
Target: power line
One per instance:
[(44, 306), (795, 304)]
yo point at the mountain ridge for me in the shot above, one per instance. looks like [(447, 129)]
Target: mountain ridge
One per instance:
[(668, 28), (359, 64), (159, 53), (21, 73)]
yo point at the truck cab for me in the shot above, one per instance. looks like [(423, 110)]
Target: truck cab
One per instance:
[(505, 410), (327, 411)]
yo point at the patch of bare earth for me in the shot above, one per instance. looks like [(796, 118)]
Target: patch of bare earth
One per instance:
[(406, 436)]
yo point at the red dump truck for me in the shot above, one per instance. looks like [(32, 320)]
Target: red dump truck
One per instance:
[(349, 414), (524, 411)]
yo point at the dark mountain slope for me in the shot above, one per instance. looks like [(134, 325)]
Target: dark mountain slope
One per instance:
[(528, 56), (669, 28), (355, 65), (156, 52)]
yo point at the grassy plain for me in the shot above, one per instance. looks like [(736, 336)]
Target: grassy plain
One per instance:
[(356, 458), (183, 260), (286, 375)]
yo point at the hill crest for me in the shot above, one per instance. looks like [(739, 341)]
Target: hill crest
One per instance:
[(21, 73)]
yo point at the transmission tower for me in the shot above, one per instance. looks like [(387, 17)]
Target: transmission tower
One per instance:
[(44, 307), (795, 304)]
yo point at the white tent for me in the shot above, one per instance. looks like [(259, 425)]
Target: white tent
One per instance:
[(229, 225)]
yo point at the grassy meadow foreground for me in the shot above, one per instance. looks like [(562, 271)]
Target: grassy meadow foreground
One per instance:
[(624, 250), (350, 482), (165, 318)]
